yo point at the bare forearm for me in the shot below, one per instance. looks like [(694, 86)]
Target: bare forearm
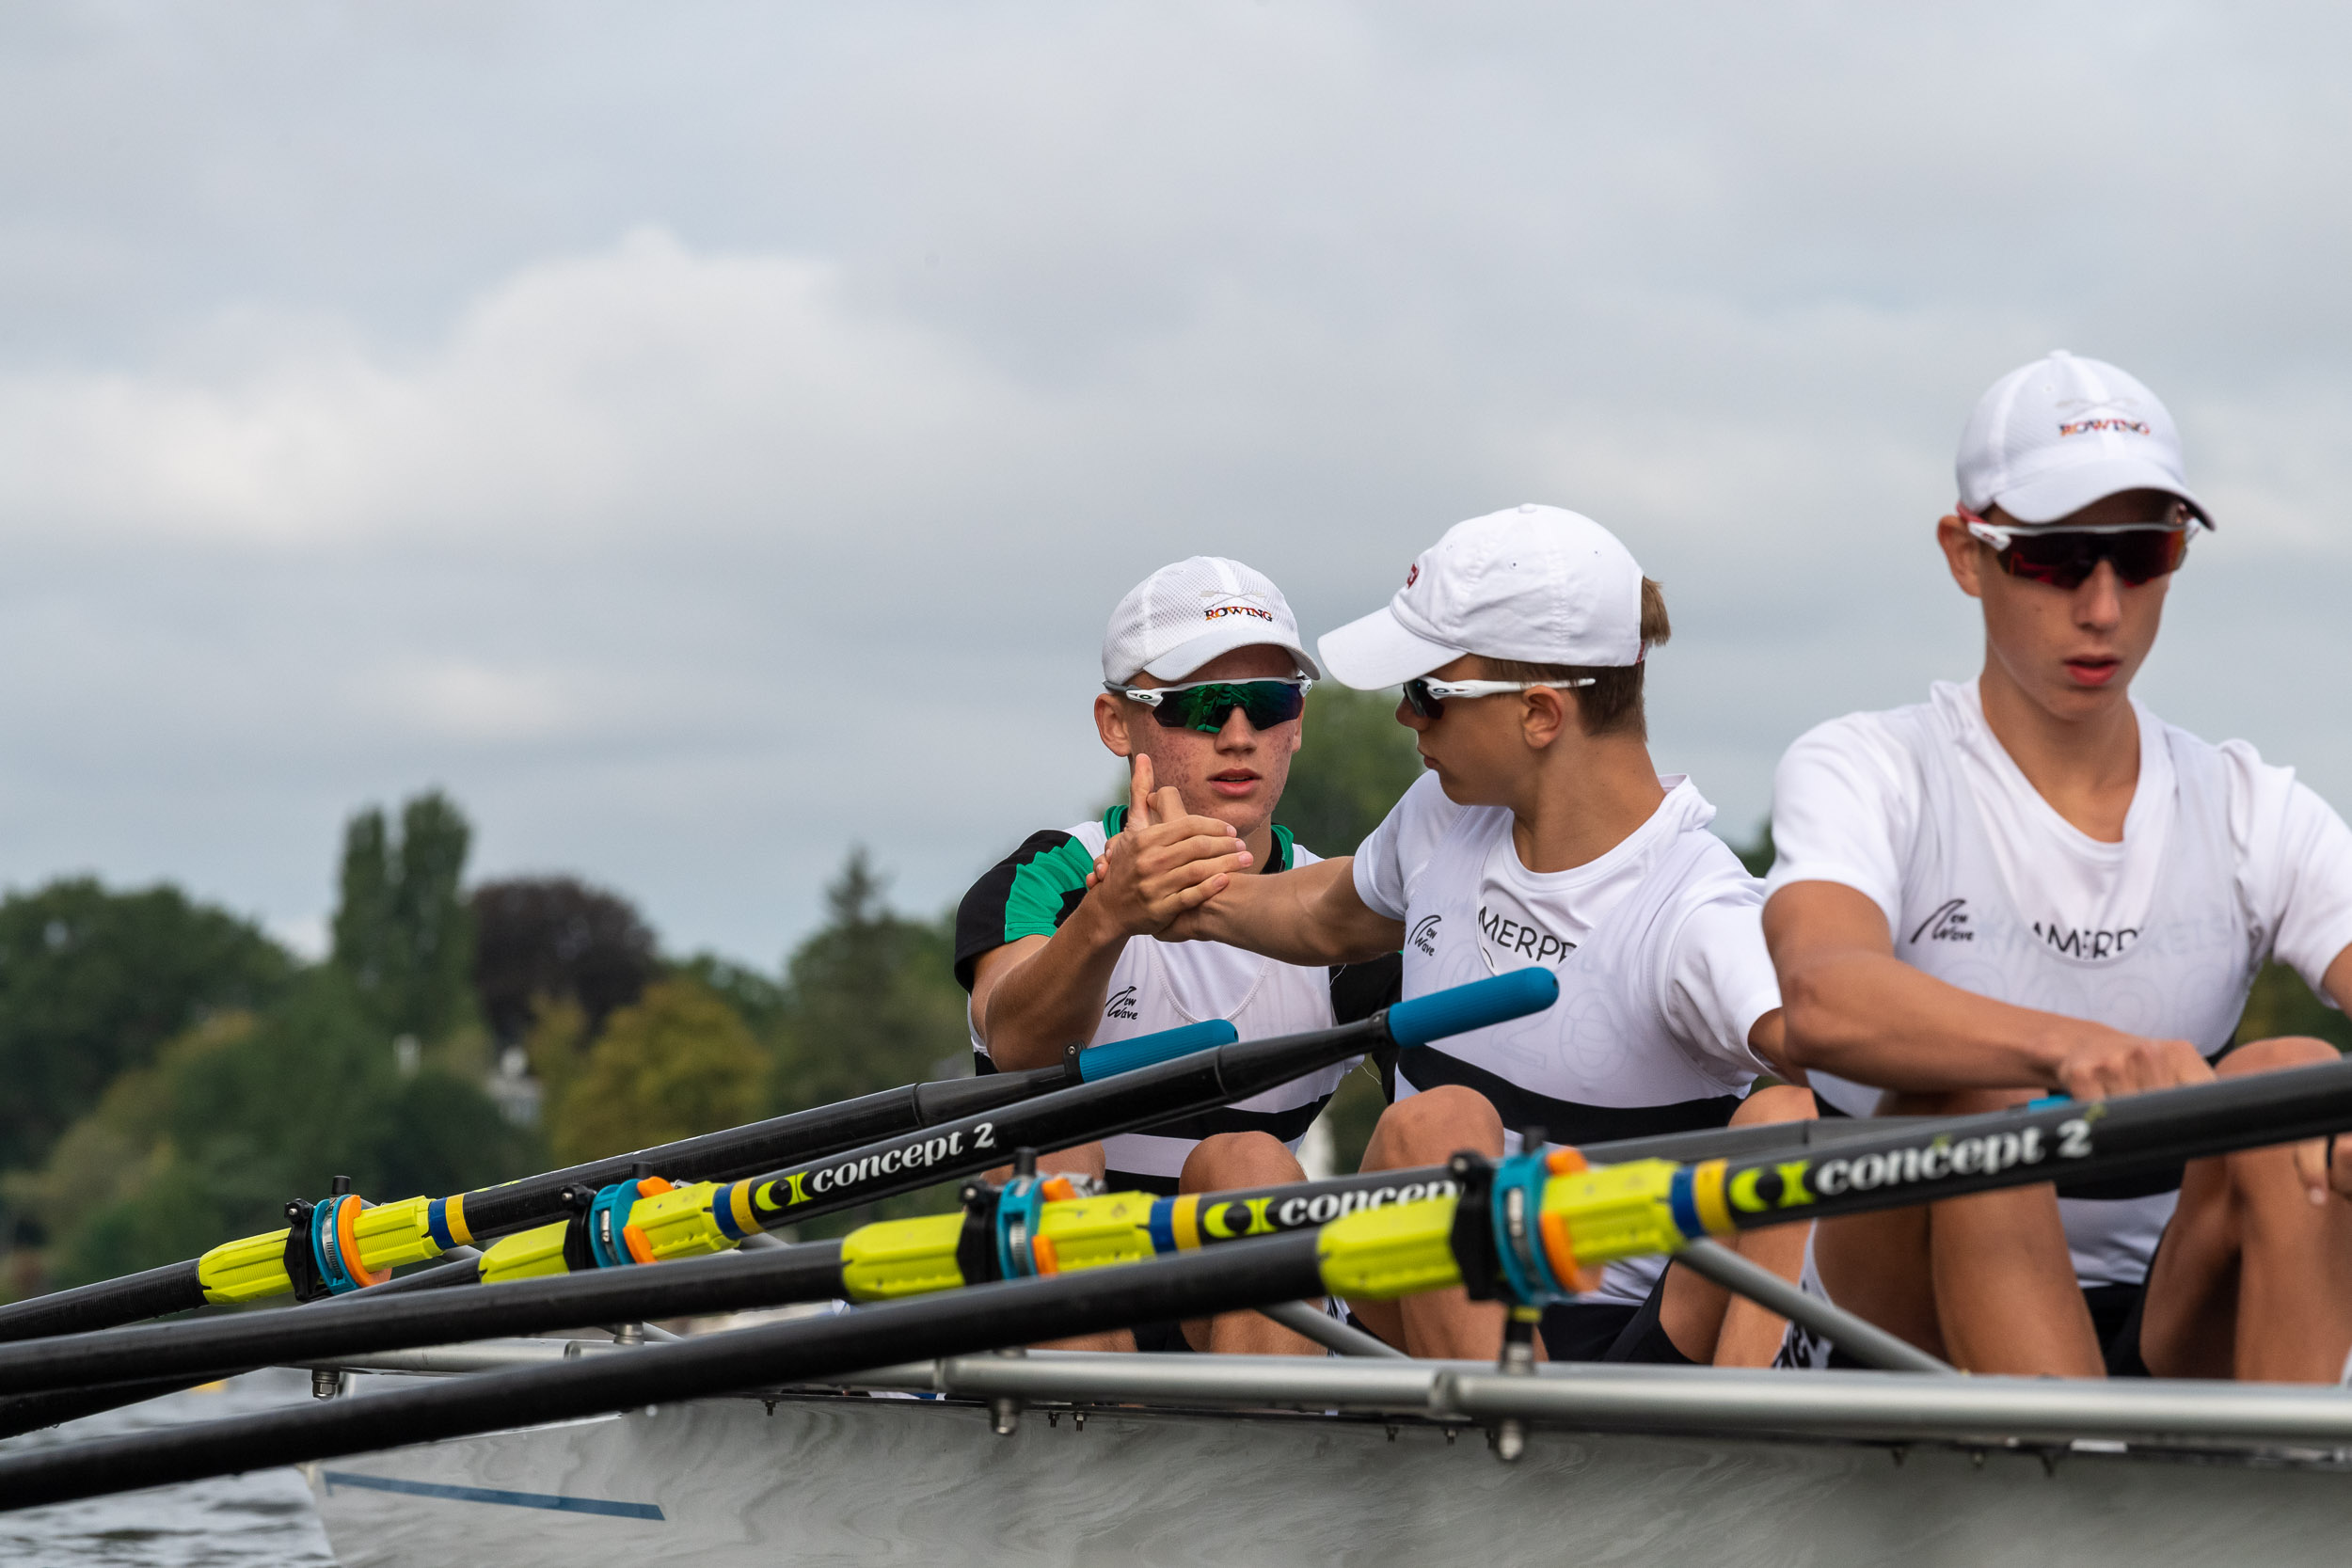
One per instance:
[(1309, 916), (1876, 1020), (1053, 999)]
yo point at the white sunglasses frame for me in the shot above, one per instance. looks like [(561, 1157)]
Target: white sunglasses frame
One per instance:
[(1150, 696), (1447, 690), (2001, 536)]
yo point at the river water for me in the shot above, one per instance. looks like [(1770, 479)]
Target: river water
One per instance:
[(263, 1520)]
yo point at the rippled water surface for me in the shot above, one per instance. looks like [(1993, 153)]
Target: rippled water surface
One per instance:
[(263, 1520)]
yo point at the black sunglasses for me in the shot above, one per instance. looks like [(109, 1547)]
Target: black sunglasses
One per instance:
[(1204, 705)]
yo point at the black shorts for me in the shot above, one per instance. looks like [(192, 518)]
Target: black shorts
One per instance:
[(1163, 1338)]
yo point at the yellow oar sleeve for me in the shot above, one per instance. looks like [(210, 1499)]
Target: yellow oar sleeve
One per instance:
[(252, 1268)]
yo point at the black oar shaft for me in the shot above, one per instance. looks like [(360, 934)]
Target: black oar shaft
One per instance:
[(1092, 1111), (494, 1210), (1226, 1279), (212, 1346), (2065, 1142)]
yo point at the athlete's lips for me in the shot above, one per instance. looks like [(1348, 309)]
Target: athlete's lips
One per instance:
[(2094, 670), (1234, 782)]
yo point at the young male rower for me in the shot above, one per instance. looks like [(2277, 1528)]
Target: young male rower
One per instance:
[(1543, 834), (2029, 884), (1204, 688)]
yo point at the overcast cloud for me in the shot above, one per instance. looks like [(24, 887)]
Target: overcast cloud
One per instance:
[(703, 437)]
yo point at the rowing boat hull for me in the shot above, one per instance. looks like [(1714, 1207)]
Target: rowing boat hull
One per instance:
[(733, 1483)]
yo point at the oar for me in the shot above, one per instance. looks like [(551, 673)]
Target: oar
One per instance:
[(1526, 1231), (416, 1230), (1615, 1209), (611, 1225), (648, 1220), (1229, 1279)]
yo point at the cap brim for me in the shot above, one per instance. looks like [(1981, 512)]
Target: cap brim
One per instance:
[(1186, 658), (1377, 651), (2068, 491)]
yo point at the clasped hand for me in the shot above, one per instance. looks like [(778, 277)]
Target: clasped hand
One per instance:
[(1166, 862)]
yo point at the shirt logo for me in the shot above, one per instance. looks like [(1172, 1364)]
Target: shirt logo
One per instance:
[(1424, 934), (1528, 941), (1412, 574), (1949, 923), (2085, 943), (1123, 1004)]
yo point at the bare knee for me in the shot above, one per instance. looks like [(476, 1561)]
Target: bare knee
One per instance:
[(1780, 1102), (1431, 1127), (2278, 1053), (1231, 1160)]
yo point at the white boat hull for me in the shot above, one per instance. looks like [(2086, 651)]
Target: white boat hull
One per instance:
[(732, 1483)]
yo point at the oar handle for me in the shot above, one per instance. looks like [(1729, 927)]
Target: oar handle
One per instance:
[(1477, 1006), (1099, 1062)]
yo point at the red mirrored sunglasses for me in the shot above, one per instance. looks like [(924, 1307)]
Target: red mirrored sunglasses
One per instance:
[(2065, 558)]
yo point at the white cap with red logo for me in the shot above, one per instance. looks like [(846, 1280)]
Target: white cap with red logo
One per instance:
[(1536, 584), (1185, 614), (2051, 438)]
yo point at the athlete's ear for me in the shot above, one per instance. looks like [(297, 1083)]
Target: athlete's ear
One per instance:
[(1110, 722), (1543, 715), (1962, 554)]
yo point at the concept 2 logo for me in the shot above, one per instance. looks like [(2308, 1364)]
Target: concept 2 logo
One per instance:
[(1424, 933), (807, 1184), (1756, 1188), (1949, 923)]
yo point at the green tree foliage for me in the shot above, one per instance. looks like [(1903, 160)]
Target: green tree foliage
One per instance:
[(249, 1110), (871, 1001), (550, 939), (402, 932), (2281, 1003), (92, 983), (677, 1062)]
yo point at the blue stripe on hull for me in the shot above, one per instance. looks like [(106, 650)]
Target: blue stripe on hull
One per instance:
[(491, 1495)]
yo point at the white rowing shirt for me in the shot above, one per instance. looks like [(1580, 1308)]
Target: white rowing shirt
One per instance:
[(1984, 885), (1158, 985), (1662, 962)]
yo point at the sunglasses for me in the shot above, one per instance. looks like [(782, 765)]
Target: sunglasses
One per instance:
[(1427, 698), (2065, 558), (1204, 705)]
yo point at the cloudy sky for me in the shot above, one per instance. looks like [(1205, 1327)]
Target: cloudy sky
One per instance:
[(702, 436)]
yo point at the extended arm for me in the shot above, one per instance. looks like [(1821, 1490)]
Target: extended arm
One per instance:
[(1312, 915), (1853, 1009)]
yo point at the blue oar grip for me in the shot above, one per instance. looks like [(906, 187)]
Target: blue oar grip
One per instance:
[(1462, 1008), (1103, 1061)]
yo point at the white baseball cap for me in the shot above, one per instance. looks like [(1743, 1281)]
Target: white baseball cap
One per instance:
[(1182, 616), (2051, 438), (1536, 584)]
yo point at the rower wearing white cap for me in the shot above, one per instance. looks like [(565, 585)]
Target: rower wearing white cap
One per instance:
[(1204, 691), (1543, 834), (2031, 884)]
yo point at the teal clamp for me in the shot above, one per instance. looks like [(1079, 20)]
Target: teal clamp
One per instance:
[(604, 1232), (1019, 1206), (1514, 1202), (327, 1245)]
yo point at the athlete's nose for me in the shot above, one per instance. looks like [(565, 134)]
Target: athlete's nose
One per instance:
[(2099, 602)]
